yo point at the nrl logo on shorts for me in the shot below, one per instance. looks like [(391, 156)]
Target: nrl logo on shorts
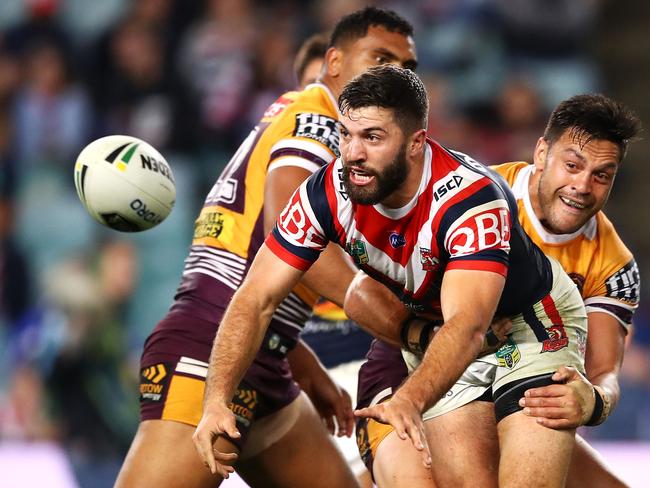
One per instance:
[(508, 355), (557, 339), (428, 260), (357, 249)]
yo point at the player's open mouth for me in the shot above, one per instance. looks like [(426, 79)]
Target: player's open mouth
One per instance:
[(573, 203), (359, 177)]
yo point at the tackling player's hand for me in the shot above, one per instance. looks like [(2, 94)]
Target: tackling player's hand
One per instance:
[(217, 420), (330, 400), (496, 335), (405, 418), (563, 406)]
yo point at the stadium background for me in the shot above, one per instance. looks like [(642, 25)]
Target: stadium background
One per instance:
[(192, 77)]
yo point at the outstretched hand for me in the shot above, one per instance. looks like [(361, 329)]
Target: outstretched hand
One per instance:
[(216, 421), (405, 418), (332, 402), (561, 406)]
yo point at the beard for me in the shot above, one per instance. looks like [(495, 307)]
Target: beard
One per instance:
[(385, 182)]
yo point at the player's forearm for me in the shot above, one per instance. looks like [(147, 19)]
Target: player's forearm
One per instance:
[(608, 382), (450, 352), (330, 275), (376, 309), (604, 356), (304, 364), (236, 344)]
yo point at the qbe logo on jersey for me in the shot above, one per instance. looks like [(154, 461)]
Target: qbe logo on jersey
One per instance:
[(320, 128), (487, 229), (295, 225)]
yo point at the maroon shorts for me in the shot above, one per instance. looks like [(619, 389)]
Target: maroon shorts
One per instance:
[(174, 366), (381, 374)]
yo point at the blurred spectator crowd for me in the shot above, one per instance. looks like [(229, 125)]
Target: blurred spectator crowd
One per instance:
[(191, 78)]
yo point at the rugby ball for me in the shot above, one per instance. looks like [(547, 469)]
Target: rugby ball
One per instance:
[(124, 183)]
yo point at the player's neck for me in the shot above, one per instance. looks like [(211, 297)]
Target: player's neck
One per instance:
[(332, 84), (533, 188)]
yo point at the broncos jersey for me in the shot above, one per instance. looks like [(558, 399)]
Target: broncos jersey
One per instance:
[(299, 129), (463, 216), (594, 256)]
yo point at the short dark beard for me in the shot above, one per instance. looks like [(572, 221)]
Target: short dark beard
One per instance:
[(385, 182)]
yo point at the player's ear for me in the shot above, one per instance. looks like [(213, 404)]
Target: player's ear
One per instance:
[(417, 141), (541, 153), (333, 60)]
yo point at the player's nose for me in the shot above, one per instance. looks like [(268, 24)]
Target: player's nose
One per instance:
[(582, 182), (354, 150)]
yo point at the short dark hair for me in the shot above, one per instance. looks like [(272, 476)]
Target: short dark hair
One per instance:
[(314, 47), (355, 25), (389, 86), (593, 117)]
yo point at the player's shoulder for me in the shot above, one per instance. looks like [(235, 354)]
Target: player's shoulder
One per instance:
[(509, 171), (315, 98), (609, 242), (309, 116)]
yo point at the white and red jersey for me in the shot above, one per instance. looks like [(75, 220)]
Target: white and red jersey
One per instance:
[(463, 216)]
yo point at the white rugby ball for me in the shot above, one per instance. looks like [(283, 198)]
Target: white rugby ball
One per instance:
[(124, 183)]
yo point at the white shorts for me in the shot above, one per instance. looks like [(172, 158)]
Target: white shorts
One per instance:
[(553, 333)]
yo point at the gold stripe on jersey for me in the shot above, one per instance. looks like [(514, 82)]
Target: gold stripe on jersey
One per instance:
[(594, 257)]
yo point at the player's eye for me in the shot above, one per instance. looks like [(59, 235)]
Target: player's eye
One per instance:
[(571, 166), (603, 177), (382, 60), (373, 137)]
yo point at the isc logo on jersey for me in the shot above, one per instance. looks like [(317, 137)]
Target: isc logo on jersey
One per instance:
[(295, 225), (489, 229)]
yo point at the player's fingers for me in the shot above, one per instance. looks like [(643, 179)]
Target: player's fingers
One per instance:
[(557, 424), (203, 443), (546, 391), (426, 454), (502, 328), (374, 412), (550, 412), (344, 416), (329, 424), (561, 374), (565, 373), (225, 470), (543, 401), (345, 419), (222, 462), (229, 426), (414, 433)]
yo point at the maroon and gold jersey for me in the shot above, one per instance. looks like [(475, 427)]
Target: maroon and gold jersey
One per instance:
[(594, 256), (299, 129)]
